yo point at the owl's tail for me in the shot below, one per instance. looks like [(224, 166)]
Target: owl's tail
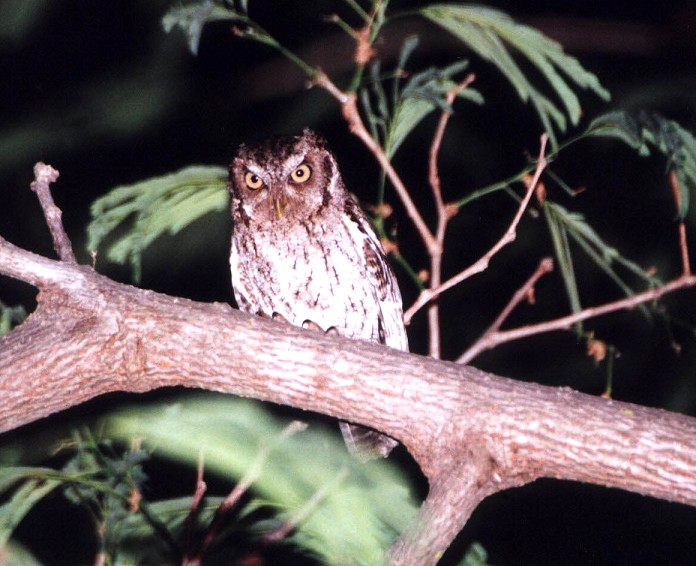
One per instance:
[(365, 443)]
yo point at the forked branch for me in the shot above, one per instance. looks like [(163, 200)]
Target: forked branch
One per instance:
[(482, 263), (472, 433), (494, 336)]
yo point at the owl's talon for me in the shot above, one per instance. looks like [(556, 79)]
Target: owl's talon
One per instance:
[(311, 325), (279, 318)]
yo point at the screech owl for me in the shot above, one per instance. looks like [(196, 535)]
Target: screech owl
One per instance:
[(303, 250)]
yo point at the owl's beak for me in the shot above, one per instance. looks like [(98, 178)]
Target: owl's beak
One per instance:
[(279, 206)]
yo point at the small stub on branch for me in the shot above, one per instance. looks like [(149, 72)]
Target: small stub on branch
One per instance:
[(44, 175)]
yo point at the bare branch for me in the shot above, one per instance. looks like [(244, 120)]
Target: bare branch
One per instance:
[(283, 530), (480, 265), (189, 559), (243, 485), (501, 337), (349, 109), (545, 266), (44, 175), (683, 247), (444, 213)]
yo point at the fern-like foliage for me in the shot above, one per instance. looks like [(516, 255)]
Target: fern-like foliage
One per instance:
[(566, 226), (646, 130), (487, 31), (157, 206), (343, 512), (393, 113)]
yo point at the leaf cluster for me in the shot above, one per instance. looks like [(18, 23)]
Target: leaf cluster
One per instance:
[(156, 206), (341, 511)]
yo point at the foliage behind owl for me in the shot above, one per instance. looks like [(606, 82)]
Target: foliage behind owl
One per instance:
[(302, 249)]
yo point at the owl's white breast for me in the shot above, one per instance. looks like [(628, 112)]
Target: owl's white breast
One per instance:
[(316, 274)]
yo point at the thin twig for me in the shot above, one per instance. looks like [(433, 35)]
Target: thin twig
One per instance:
[(686, 264), (351, 114), (443, 212), (567, 321), (482, 263), (286, 527), (201, 488), (545, 266), (44, 175), (252, 474)]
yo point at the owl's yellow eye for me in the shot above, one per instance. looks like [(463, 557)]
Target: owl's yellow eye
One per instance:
[(253, 181), (301, 174)]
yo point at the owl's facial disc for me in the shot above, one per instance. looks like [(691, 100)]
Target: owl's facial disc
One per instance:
[(284, 180)]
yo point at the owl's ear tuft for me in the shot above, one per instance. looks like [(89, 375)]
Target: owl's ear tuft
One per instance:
[(316, 139)]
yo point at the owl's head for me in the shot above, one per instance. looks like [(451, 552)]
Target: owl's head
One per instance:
[(283, 178)]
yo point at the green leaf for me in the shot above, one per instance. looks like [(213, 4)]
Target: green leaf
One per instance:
[(361, 508), (423, 93), (486, 31), (28, 494), (559, 237), (564, 224), (622, 126), (10, 317), (156, 206), (647, 130), (193, 17)]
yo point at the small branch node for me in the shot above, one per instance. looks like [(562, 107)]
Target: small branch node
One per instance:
[(488, 338), (44, 175), (482, 263), (322, 80), (364, 52)]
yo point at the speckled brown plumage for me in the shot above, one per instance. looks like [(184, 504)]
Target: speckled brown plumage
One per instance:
[(303, 250)]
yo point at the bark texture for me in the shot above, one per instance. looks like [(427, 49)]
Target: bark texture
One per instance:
[(472, 433)]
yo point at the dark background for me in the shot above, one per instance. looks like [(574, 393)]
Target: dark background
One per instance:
[(99, 91)]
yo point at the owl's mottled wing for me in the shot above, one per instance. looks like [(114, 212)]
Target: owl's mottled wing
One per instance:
[(390, 318), (365, 443)]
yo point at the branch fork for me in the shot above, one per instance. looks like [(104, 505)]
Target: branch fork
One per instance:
[(472, 433)]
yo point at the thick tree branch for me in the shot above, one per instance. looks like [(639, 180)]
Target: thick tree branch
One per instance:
[(472, 433)]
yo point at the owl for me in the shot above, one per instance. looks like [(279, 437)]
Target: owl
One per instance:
[(304, 252)]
